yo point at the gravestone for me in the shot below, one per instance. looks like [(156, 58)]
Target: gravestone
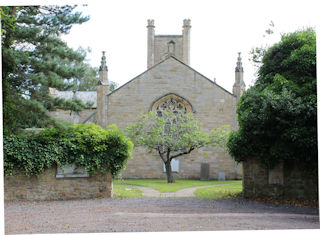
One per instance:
[(205, 171), (221, 176)]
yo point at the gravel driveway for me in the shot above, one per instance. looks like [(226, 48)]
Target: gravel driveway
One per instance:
[(150, 214)]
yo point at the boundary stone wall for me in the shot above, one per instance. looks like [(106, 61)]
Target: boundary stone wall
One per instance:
[(47, 187), (283, 181)]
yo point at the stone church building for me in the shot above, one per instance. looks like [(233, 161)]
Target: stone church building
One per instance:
[(169, 81)]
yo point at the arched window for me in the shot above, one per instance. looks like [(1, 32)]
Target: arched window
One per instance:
[(171, 47), (172, 103)]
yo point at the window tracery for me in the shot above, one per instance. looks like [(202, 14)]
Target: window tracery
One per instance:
[(171, 103)]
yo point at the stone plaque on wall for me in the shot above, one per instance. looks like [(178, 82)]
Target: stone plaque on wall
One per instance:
[(275, 175), (71, 171)]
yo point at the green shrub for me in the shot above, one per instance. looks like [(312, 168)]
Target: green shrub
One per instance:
[(89, 146), (278, 115)]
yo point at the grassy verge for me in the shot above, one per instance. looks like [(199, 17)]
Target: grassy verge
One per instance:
[(120, 190), (162, 185), (219, 191)]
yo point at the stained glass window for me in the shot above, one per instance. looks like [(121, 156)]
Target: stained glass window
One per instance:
[(171, 103)]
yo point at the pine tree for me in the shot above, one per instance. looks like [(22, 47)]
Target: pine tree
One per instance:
[(34, 58)]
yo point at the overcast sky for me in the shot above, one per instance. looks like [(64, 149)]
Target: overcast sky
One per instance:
[(220, 29)]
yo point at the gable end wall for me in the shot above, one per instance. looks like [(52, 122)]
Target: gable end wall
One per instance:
[(213, 107)]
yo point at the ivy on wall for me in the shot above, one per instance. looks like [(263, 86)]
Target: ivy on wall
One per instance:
[(89, 146)]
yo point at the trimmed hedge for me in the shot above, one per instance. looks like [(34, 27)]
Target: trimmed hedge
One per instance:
[(89, 146)]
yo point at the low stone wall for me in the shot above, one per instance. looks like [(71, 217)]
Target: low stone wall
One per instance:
[(282, 181), (47, 187)]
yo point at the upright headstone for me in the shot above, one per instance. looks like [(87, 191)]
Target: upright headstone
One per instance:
[(221, 176), (205, 171)]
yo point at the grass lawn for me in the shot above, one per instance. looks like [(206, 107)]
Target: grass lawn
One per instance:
[(219, 191), (120, 190), (162, 185)]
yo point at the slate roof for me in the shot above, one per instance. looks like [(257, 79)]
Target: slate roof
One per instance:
[(85, 96)]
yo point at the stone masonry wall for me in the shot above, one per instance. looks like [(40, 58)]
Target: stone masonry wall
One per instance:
[(283, 181), (161, 46), (149, 165), (212, 106), (73, 117), (47, 187)]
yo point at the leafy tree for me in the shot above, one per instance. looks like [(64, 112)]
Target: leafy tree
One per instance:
[(34, 59), (89, 78), (257, 53), (278, 115), (113, 85), (172, 135), (89, 81)]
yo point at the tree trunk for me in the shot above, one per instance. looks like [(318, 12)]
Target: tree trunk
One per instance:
[(169, 172), (8, 34)]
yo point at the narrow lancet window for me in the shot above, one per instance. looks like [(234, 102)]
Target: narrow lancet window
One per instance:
[(171, 47)]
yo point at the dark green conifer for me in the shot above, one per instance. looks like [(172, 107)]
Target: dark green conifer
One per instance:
[(35, 58)]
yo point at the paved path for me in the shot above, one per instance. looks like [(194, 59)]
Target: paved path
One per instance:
[(186, 192)]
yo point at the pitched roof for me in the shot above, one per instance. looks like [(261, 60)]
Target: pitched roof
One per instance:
[(203, 76), (155, 65)]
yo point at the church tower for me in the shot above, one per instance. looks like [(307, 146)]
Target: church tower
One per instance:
[(239, 86), (162, 46), (102, 91)]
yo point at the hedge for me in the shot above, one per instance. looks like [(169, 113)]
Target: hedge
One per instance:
[(89, 146)]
